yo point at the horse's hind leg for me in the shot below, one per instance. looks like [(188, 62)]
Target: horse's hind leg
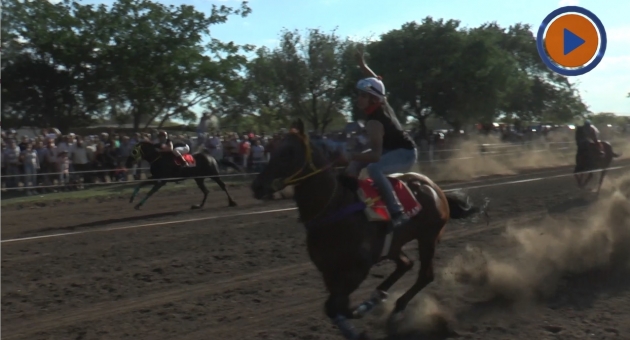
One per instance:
[(203, 189), (587, 179), (218, 180), (403, 265), (601, 180), (578, 179), (426, 249)]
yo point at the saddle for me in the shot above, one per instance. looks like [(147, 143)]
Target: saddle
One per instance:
[(376, 209), (190, 160)]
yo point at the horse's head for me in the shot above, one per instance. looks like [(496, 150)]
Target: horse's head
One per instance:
[(293, 161), (143, 150)]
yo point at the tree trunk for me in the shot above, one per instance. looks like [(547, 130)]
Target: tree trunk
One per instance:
[(136, 119)]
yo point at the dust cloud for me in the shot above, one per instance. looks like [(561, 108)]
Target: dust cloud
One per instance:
[(539, 258), (466, 161)]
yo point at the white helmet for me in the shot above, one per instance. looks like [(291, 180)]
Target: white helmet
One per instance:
[(373, 86)]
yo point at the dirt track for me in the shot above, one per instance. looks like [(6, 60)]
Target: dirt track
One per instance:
[(248, 277)]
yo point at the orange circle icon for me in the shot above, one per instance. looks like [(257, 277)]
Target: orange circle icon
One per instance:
[(572, 40)]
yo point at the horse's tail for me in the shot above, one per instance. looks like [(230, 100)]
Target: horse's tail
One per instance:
[(230, 164), (461, 207)]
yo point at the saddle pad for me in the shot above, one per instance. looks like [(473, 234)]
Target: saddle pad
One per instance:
[(189, 158), (376, 210)]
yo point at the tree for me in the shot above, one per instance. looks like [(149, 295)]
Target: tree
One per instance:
[(605, 118), (413, 61), (537, 93), (135, 60), (313, 71), (49, 55), (258, 94), (435, 68), (159, 65)]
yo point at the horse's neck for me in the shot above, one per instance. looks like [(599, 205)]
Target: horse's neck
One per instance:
[(316, 196)]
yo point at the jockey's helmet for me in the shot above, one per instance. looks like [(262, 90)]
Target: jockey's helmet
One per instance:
[(162, 134), (587, 123), (373, 86)]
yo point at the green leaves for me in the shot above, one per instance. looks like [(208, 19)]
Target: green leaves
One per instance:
[(145, 62), (470, 75), (135, 60)]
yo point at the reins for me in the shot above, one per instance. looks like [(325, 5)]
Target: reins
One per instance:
[(138, 154), (296, 179)]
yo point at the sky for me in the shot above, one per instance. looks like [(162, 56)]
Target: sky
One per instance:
[(604, 89)]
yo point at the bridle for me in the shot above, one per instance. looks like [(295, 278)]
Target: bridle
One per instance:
[(138, 154), (300, 175)]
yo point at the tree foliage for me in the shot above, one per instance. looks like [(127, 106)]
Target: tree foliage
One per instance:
[(143, 62), (136, 60)]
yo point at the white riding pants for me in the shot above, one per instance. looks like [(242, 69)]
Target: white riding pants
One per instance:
[(181, 150)]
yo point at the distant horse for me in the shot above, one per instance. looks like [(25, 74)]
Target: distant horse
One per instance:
[(342, 241), (165, 167), (589, 158)]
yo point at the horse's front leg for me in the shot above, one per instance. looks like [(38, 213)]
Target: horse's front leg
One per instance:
[(337, 306), (153, 190), (136, 190), (337, 309)]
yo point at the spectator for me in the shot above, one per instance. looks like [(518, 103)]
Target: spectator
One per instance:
[(258, 156), (80, 161), (50, 162), (30, 161), (214, 146), (244, 150), (232, 147), (202, 127), (63, 167), (11, 160), (101, 162), (25, 141)]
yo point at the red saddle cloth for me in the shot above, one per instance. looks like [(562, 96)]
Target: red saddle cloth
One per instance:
[(189, 159), (376, 209)]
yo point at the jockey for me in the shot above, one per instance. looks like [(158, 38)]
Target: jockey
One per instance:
[(166, 145), (391, 149), (591, 131), (592, 135)]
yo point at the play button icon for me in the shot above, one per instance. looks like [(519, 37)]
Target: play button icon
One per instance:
[(571, 41)]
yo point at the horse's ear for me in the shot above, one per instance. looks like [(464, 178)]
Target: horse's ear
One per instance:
[(298, 126)]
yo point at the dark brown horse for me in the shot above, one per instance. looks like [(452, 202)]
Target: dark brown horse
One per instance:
[(342, 243), (590, 158)]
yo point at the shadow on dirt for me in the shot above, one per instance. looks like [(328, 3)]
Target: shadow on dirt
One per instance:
[(109, 221)]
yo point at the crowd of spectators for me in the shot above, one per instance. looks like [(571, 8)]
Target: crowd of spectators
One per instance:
[(50, 161)]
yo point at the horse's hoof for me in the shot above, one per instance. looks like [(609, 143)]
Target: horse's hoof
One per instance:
[(137, 206), (193, 207), (233, 204), (393, 322)]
